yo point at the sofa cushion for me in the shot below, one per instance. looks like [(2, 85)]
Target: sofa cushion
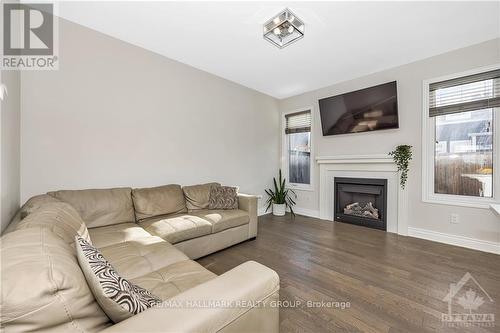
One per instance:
[(150, 261), (43, 287), (141, 256), (178, 227), (100, 207), (197, 196), (59, 217), (223, 197), (223, 219), (118, 297), (117, 233), (174, 279), (157, 201)]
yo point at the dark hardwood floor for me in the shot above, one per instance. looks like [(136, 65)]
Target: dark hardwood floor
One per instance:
[(393, 283)]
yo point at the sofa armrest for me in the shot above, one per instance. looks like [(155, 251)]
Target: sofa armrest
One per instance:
[(238, 300), (249, 204)]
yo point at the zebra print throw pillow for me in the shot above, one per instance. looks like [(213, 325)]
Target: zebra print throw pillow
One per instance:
[(223, 197), (118, 297)]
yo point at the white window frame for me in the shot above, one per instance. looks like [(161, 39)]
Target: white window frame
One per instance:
[(428, 147), (284, 150)]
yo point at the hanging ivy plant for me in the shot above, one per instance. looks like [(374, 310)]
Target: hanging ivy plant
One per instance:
[(402, 156)]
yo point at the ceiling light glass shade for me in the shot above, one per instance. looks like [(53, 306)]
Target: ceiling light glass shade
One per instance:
[(283, 29)]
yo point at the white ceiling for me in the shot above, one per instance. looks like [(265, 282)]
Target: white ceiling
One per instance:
[(343, 40)]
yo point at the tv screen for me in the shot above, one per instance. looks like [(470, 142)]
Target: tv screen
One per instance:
[(370, 109)]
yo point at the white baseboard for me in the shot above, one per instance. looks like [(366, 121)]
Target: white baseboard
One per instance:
[(306, 212), (471, 243), (299, 211), (262, 211)]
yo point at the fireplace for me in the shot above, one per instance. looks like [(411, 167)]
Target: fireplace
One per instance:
[(361, 201)]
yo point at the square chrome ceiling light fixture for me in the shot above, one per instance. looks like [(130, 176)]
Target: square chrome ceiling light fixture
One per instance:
[(284, 29)]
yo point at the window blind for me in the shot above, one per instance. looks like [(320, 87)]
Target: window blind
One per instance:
[(469, 93), (298, 122)]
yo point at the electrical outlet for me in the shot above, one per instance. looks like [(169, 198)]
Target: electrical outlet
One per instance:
[(454, 219)]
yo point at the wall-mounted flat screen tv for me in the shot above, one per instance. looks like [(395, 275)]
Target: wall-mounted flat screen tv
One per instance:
[(370, 109)]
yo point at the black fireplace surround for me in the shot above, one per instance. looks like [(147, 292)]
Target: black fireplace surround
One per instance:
[(368, 196)]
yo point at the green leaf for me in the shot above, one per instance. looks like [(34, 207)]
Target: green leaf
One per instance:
[(280, 195), (402, 155)]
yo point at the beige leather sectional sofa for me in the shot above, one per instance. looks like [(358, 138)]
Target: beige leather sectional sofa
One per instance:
[(151, 237)]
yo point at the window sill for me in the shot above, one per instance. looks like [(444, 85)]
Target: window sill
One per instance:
[(481, 203)]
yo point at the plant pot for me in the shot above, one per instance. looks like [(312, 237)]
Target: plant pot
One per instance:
[(279, 209)]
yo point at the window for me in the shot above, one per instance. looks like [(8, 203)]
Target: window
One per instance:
[(298, 148), (460, 133), (463, 161)]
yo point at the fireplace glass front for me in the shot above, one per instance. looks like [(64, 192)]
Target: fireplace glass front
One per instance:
[(361, 201)]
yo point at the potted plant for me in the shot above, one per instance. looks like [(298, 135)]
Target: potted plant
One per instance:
[(280, 198), (402, 156)]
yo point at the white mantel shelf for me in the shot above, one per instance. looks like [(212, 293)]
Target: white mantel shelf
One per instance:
[(346, 159)]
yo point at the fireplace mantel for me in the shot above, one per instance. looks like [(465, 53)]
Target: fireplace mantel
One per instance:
[(364, 166), (343, 159)]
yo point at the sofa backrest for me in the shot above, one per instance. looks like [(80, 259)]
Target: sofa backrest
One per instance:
[(100, 207), (59, 217), (35, 203), (197, 196), (158, 201), (43, 287)]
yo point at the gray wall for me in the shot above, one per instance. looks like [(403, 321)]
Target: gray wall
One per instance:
[(10, 147), (475, 223), (117, 115)]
